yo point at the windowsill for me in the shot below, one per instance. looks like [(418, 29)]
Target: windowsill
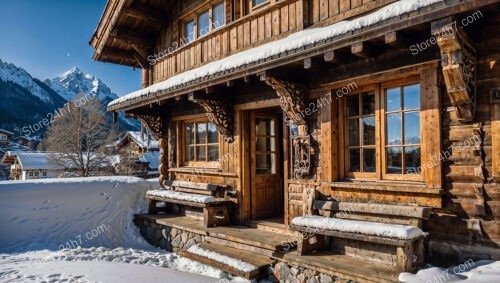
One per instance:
[(202, 171), (385, 185)]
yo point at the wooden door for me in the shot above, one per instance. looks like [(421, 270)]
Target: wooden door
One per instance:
[(264, 158)]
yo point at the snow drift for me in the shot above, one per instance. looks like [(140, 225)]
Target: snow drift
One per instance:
[(85, 212)]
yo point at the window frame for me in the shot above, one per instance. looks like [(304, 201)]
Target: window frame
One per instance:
[(194, 16), (380, 134), (259, 6), (184, 145)]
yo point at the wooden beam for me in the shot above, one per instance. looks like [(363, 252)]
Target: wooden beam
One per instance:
[(308, 63), (395, 38), (129, 36), (209, 90), (334, 57), (363, 50), (146, 13), (230, 83), (247, 79)]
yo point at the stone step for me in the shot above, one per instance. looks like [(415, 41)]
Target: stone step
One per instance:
[(232, 260)]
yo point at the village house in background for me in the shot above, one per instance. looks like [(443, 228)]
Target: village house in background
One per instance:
[(26, 165), (354, 139), (137, 154)]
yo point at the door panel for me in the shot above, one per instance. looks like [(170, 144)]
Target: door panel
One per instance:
[(264, 158)]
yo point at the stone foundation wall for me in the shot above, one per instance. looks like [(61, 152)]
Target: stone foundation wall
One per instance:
[(168, 238)]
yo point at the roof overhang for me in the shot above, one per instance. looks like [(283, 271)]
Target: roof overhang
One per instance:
[(157, 94)]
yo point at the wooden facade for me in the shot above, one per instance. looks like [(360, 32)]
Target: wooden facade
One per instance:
[(373, 116)]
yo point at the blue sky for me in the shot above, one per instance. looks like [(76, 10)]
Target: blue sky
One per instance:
[(48, 37)]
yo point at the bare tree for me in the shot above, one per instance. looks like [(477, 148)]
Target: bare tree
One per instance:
[(77, 136)]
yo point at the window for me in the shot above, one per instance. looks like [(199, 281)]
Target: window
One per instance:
[(360, 125), (402, 134), (31, 173), (265, 145), (258, 2), (203, 23), (382, 136), (44, 174), (36, 174), (189, 31), (219, 16), (201, 142)]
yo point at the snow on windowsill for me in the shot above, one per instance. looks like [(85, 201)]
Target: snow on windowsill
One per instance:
[(359, 227)]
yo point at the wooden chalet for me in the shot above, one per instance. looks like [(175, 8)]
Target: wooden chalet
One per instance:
[(341, 139)]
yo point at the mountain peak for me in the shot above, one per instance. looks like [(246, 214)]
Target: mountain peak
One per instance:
[(73, 70)]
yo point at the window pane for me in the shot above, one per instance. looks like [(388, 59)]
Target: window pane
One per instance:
[(213, 153), (219, 15), (203, 23), (369, 131), (264, 126), (265, 163), (411, 97), (353, 132), (393, 99), (353, 160), (294, 130), (368, 100), (201, 153), (394, 160), (369, 160), (265, 144), (412, 159), (213, 137), (190, 133), (190, 153), (201, 133), (393, 129), (412, 128), (352, 103), (258, 2), (189, 31)]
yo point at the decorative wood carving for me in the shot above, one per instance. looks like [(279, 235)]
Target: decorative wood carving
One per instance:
[(301, 151), (219, 111), (291, 97), (458, 59), (153, 123)]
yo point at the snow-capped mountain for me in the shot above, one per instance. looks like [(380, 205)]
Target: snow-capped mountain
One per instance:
[(74, 81), (11, 73), (25, 100)]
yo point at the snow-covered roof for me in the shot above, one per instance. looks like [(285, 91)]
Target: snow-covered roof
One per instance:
[(6, 132), (299, 40), (143, 143), (31, 160)]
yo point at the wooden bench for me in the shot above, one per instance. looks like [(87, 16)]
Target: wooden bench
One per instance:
[(201, 201), (387, 234)]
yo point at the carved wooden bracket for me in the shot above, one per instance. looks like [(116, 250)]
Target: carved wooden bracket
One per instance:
[(219, 111), (292, 98), (301, 152), (458, 60), (154, 124)]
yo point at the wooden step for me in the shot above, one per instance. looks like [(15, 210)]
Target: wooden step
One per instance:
[(257, 262), (344, 266), (270, 226)]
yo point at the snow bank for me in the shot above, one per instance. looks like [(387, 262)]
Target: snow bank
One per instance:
[(181, 196), (233, 262), (292, 42), (361, 227), (86, 212), (467, 272)]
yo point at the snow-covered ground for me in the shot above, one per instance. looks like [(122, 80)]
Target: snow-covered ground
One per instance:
[(482, 271), (81, 230)]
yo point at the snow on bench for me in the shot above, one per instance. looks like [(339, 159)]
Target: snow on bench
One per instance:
[(233, 262), (181, 196), (359, 227)]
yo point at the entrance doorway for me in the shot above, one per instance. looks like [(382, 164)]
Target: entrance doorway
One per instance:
[(266, 164)]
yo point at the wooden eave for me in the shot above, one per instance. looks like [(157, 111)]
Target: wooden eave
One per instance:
[(374, 32), (126, 26)]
